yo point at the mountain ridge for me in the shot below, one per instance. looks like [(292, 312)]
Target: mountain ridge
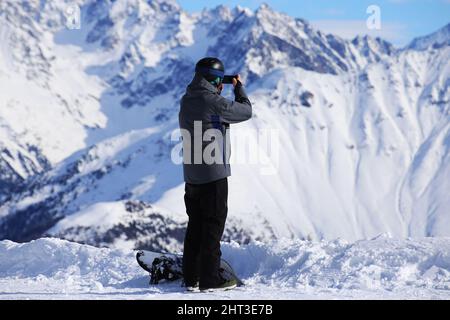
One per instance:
[(347, 111)]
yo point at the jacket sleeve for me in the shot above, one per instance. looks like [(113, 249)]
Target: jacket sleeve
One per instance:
[(235, 111)]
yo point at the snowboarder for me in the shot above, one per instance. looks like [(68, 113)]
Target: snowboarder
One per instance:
[(206, 115)]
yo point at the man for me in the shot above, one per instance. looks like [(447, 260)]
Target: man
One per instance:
[(205, 112)]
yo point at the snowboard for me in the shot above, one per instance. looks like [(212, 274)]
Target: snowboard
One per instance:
[(169, 267)]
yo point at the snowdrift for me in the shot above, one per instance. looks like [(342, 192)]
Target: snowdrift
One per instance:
[(378, 268)]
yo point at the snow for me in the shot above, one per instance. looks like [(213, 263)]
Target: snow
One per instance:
[(436, 39), (5, 54), (349, 166), (33, 199), (380, 268), (101, 214), (370, 154)]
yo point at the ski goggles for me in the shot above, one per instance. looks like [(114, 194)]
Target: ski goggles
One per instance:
[(214, 72)]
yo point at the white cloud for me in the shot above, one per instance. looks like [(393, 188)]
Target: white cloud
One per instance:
[(348, 29)]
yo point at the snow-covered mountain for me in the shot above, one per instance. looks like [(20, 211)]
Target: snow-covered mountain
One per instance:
[(436, 40), (86, 118)]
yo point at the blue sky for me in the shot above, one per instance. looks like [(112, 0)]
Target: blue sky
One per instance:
[(401, 20)]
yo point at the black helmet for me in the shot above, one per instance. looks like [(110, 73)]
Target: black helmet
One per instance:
[(211, 69)]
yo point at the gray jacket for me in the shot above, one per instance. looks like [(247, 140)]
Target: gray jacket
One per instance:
[(202, 102)]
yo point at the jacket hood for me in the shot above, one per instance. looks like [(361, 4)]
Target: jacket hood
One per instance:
[(199, 83)]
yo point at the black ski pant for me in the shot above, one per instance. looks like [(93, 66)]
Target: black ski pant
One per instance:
[(206, 206)]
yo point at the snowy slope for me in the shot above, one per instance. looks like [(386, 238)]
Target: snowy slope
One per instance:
[(364, 127), (48, 101), (328, 136), (78, 81), (382, 268)]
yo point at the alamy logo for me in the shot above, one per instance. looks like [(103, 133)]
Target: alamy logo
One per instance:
[(72, 13), (373, 22), (212, 146)]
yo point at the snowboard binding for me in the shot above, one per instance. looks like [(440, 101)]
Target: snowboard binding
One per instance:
[(165, 268), (169, 267)]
